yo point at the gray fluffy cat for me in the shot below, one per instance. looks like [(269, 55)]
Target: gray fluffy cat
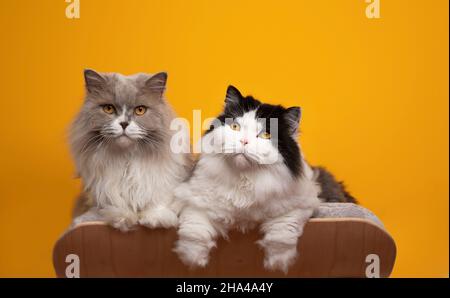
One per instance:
[(121, 144)]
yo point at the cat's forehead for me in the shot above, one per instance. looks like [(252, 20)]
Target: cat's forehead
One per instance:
[(256, 109), (267, 111), (249, 120), (252, 122), (126, 89)]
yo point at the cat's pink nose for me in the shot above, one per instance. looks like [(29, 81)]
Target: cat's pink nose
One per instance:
[(244, 141)]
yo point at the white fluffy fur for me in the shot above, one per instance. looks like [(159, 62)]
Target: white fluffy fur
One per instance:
[(222, 195), (133, 189)]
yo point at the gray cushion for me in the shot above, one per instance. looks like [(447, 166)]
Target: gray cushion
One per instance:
[(325, 210), (337, 210)]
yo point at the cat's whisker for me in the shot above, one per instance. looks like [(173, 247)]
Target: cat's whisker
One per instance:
[(91, 142)]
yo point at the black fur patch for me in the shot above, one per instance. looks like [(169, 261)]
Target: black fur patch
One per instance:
[(237, 105), (332, 190)]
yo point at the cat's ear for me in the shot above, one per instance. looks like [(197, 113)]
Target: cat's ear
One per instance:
[(233, 95), (94, 81), (157, 84), (292, 117)]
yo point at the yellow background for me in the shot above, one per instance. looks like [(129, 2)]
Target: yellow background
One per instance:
[(374, 95)]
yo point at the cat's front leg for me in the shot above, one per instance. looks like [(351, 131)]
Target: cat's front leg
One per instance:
[(120, 218), (196, 237), (280, 238), (158, 216)]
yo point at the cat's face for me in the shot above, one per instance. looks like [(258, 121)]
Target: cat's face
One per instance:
[(122, 111), (252, 134)]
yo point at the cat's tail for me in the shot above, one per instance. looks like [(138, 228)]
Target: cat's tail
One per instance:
[(332, 191)]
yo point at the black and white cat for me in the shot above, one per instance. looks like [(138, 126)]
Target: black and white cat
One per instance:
[(251, 172)]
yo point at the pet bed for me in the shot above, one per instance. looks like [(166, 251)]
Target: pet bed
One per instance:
[(336, 243)]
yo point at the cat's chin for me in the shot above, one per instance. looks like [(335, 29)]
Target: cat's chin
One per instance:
[(124, 141), (242, 162)]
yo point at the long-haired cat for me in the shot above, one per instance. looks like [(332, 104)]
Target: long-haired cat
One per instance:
[(121, 144), (252, 174)]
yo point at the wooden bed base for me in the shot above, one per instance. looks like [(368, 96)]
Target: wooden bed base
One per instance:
[(329, 247)]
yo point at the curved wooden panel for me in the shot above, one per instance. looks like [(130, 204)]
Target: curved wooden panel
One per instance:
[(329, 247)]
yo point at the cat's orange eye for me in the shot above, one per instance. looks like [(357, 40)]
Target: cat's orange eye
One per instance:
[(109, 109), (235, 126), (140, 110), (265, 135)]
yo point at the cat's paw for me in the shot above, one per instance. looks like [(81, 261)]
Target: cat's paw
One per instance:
[(278, 256), (124, 224), (280, 261), (192, 254), (158, 216), (121, 219)]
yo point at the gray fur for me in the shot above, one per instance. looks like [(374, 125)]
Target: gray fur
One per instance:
[(111, 88), (127, 175)]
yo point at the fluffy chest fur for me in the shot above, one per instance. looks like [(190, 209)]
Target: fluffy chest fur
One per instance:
[(130, 181), (234, 198)]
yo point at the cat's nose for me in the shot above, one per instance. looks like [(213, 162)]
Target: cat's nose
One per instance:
[(124, 124), (244, 141)]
